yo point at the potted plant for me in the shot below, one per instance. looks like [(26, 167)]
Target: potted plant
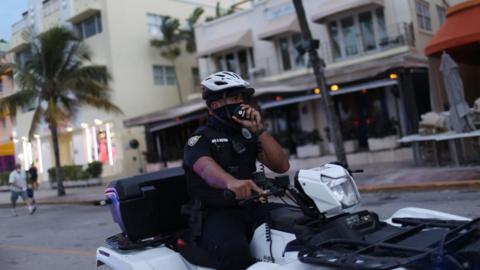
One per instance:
[(382, 135), (350, 142), (307, 144)]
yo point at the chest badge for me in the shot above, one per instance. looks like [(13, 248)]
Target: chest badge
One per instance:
[(246, 133), (193, 140)]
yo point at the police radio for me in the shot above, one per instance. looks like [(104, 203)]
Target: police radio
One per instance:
[(240, 113)]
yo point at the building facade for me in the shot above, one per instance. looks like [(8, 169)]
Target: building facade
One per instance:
[(374, 64), (7, 153), (375, 67), (119, 34)]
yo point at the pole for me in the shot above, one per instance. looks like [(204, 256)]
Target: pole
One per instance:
[(332, 118)]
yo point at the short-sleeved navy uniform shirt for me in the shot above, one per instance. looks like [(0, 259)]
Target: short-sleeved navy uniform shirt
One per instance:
[(223, 144)]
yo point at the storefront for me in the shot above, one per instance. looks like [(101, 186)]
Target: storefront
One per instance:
[(7, 156)]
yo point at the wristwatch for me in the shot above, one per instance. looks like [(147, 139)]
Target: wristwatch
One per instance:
[(259, 131)]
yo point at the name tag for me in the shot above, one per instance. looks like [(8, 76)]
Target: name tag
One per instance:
[(219, 140)]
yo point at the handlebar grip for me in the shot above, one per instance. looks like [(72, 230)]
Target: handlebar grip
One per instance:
[(229, 195)]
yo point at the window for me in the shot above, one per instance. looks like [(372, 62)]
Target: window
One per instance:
[(287, 52), (164, 75), (441, 15), (381, 27), (335, 37), (368, 33), (283, 45), (23, 57), (423, 15), (154, 22), (90, 26), (358, 34), (240, 61)]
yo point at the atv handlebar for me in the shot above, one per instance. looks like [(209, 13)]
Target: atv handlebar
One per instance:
[(274, 186)]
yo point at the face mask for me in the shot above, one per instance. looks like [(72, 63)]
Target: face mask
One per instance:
[(226, 112)]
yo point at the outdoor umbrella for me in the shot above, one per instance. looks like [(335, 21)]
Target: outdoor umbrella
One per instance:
[(461, 118)]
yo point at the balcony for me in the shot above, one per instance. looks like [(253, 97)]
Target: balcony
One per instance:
[(51, 14), (18, 42), (360, 46), (83, 9), (392, 40)]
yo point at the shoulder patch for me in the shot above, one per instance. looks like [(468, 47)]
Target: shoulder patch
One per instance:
[(193, 140)]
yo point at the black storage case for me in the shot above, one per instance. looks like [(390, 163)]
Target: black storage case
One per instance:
[(149, 205)]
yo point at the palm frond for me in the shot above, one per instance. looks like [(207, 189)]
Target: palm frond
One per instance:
[(9, 104), (99, 103), (193, 18), (37, 118)]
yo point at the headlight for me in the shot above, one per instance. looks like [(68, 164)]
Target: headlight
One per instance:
[(343, 189)]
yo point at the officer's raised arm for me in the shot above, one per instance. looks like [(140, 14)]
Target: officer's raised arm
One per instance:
[(272, 154)]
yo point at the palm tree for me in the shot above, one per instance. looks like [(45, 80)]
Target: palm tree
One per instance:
[(189, 34), (169, 44), (173, 35), (59, 78)]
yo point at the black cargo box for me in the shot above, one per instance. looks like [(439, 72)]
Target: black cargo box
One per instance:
[(149, 204)]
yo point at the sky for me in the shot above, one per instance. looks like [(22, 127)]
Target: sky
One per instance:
[(10, 13)]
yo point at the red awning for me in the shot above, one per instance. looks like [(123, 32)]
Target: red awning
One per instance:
[(462, 28)]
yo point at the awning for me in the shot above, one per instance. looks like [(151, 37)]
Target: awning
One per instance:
[(166, 114), (84, 14), (177, 121), (7, 149), (282, 25), (232, 41), (334, 7), (342, 91), (461, 28)]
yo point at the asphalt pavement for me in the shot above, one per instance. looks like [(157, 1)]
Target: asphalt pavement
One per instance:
[(382, 177)]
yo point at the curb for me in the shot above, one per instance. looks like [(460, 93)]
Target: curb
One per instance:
[(362, 188), (420, 186)]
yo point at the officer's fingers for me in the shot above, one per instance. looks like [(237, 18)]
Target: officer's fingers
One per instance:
[(257, 118), (245, 123), (242, 122), (255, 188)]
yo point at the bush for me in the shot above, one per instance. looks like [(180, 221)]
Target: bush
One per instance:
[(4, 178), (76, 172), (95, 169)]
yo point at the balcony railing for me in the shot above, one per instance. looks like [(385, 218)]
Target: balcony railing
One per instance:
[(20, 25), (397, 35), (51, 7), (393, 36)]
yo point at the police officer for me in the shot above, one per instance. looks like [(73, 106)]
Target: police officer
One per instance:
[(222, 155)]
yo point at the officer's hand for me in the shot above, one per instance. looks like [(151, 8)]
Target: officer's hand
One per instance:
[(243, 188), (254, 119)]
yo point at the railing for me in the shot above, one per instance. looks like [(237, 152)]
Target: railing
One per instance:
[(20, 25), (394, 36), (51, 7)]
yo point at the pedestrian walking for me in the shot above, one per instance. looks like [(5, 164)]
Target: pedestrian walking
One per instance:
[(33, 176), (18, 188)]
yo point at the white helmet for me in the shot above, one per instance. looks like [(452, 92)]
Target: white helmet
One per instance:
[(218, 83)]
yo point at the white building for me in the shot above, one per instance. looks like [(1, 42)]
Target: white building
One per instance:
[(375, 66), (119, 34)]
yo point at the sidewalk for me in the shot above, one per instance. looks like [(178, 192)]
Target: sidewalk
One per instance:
[(375, 178)]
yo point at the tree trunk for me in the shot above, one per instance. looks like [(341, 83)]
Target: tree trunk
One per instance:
[(335, 131), (56, 153)]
